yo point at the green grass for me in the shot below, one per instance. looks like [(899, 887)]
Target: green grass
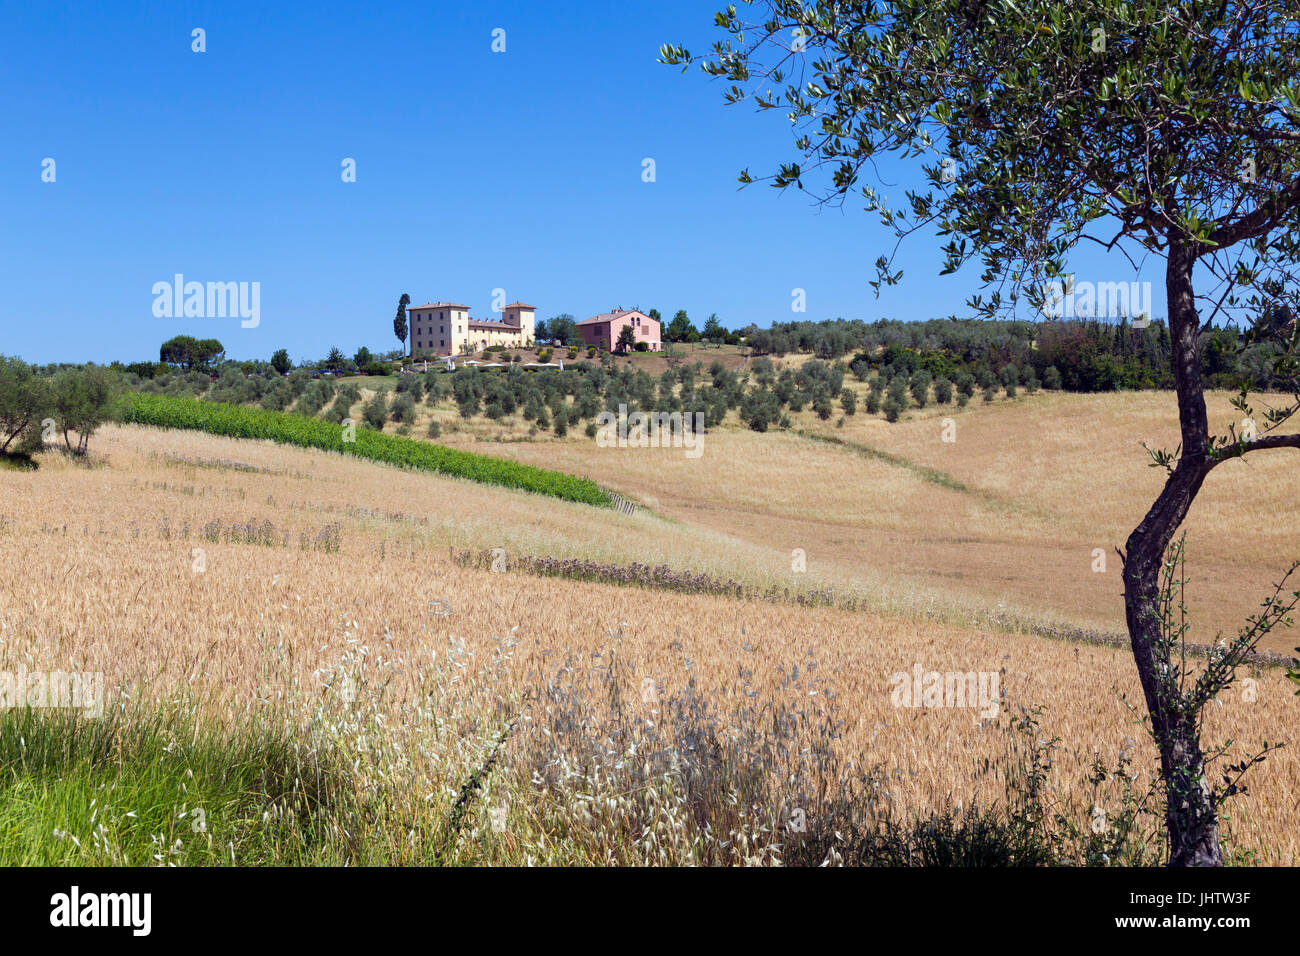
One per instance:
[(148, 791), (11, 461), (238, 421)]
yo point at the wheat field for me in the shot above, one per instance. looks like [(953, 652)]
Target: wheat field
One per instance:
[(1044, 483), (246, 578)]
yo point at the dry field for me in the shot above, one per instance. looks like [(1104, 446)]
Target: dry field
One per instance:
[(1048, 479), (100, 571)]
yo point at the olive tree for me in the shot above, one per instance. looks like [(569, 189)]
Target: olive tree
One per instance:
[(82, 401), (1160, 130)]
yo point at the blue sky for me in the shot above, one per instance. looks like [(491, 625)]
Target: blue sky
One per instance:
[(476, 170)]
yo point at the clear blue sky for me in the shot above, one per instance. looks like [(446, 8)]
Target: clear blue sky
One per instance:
[(475, 170)]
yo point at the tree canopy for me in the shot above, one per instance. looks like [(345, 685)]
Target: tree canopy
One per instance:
[(187, 352)]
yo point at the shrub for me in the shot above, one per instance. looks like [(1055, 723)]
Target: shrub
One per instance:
[(435, 430), (375, 412), (920, 388), (942, 391), (149, 370), (893, 409), (410, 384), (403, 409)]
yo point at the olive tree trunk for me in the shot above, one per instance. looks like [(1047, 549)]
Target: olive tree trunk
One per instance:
[(1190, 815)]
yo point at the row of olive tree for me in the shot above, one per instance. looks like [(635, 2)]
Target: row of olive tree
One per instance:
[(35, 408)]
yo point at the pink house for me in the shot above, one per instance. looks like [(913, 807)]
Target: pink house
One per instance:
[(603, 330)]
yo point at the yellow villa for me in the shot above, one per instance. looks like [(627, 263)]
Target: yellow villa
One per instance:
[(445, 328)]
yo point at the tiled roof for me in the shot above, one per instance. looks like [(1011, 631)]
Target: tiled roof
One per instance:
[(436, 305)]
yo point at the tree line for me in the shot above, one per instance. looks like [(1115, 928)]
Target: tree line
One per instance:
[(1088, 355)]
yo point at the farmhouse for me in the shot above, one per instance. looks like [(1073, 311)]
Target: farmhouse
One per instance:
[(603, 330), (445, 328)]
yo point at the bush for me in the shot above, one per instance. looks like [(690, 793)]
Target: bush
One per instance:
[(410, 384), (642, 346), (873, 402), (375, 412), (403, 409), (148, 370), (920, 388), (893, 409), (849, 399), (435, 430), (1052, 378), (942, 391)]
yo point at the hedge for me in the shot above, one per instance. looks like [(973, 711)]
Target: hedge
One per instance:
[(238, 421)]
